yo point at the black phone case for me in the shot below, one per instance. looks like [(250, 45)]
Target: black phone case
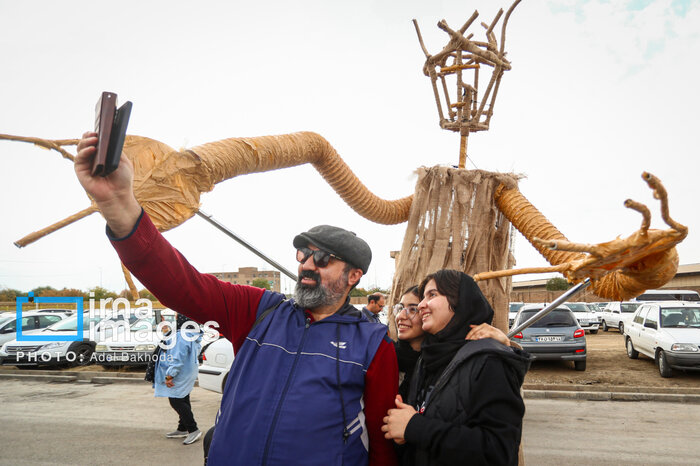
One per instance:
[(116, 139)]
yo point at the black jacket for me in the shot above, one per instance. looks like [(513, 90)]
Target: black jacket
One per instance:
[(474, 412)]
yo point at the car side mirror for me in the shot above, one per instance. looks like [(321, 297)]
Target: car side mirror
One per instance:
[(650, 325)]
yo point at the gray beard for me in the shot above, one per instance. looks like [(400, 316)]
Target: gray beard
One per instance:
[(320, 295)]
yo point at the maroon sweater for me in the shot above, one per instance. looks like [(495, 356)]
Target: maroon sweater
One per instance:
[(202, 297)]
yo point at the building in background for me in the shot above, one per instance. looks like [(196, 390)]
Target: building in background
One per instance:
[(246, 276)]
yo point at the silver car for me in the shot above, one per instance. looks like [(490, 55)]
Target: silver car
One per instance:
[(557, 336)]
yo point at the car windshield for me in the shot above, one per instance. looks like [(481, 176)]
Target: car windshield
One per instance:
[(628, 307), (577, 307), (556, 318), (515, 307), (70, 324), (5, 320), (144, 324), (680, 317)]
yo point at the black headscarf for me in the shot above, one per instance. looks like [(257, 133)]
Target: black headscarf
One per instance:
[(472, 309)]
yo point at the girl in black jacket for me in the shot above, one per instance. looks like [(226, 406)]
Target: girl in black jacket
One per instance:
[(464, 404)]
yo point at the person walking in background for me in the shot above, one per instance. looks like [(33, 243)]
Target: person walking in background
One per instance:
[(175, 373), (375, 304), (464, 401)]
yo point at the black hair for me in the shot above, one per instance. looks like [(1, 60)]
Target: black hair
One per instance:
[(412, 290), (447, 282), (374, 297)]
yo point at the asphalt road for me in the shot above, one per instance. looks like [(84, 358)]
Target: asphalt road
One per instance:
[(122, 424)]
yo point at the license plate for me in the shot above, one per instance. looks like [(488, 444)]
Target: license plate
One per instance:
[(117, 358), (548, 338)]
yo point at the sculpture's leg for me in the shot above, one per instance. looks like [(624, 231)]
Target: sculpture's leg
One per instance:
[(130, 282)]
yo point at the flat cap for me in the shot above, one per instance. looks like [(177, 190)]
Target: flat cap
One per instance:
[(338, 241)]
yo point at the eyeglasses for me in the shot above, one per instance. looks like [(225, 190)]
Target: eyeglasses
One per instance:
[(411, 310), (321, 257)]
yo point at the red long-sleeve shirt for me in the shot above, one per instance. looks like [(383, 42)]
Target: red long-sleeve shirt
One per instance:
[(202, 297)]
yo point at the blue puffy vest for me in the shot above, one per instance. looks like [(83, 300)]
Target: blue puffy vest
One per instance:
[(282, 401)]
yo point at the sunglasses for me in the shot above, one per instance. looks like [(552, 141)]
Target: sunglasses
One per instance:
[(411, 310), (321, 257)]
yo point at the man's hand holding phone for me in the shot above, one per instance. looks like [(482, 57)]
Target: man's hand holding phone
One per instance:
[(113, 193)]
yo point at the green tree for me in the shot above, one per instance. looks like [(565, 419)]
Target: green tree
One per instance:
[(44, 291), (377, 289), (9, 294), (358, 292), (557, 284), (147, 295), (102, 293), (261, 283)]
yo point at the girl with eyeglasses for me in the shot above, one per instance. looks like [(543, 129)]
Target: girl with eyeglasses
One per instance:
[(410, 336)]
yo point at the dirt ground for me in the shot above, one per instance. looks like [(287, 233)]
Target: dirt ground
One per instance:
[(608, 365)]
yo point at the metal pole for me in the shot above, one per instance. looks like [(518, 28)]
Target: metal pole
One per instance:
[(549, 308), (246, 244)]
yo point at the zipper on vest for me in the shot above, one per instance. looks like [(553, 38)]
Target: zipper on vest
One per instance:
[(268, 442)]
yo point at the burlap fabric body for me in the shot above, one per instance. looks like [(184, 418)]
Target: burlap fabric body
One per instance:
[(454, 223)]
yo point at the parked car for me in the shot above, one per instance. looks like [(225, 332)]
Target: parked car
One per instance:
[(586, 316), (133, 347), (31, 320), (668, 332), (668, 295), (216, 364), (557, 336), (47, 353), (513, 309), (617, 315)]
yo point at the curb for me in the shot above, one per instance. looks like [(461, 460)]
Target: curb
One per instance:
[(611, 396), (530, 391)]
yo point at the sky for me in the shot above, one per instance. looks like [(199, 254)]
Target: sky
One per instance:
[(599, 92)]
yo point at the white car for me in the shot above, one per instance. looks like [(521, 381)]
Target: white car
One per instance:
[(513, 309), (668, 332), (134, 347), (586, 316), (31, 320), (617, 315), (216, 364), (54, 352)]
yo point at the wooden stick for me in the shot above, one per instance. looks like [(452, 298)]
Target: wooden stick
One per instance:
[(469, 22), (453, 68), (420, 39), (30, 238), (463, 150), (511, 272), (46, 143)]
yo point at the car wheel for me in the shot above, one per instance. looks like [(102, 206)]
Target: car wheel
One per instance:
[(82, 355), (605, 327), (580, 365), (621, 327), (631, 352), (664, 369)]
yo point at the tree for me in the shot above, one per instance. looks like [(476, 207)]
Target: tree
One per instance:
[(261, 283), (9, 294), (102, 293), (147, 295), (358, 292), (557, 284), (376, 289), (44, 291)]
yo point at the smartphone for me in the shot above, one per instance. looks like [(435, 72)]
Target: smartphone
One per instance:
[(110, 125)]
